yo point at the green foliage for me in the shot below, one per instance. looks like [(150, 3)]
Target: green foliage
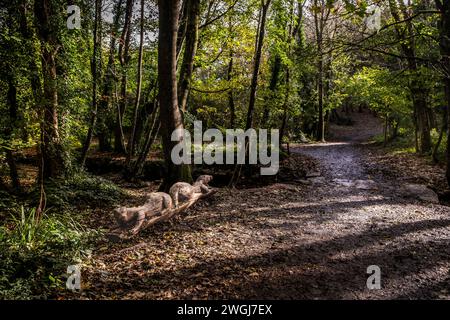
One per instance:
[(377, 88), (82, 189), (403, 143), (8, 203), (34, 255)]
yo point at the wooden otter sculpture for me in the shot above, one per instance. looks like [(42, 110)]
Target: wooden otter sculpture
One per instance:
[(155, 204), (183, 191), (159, 206)]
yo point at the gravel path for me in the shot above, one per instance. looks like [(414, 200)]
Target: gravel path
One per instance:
[(289, 241)]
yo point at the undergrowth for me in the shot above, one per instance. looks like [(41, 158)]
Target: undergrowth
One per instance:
[(81, 190), (35, 254), (405, 143)]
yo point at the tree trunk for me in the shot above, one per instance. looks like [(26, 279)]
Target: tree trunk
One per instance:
[(95, 76), (260, 42), (109, 81), (319, 34), (13, 112), (231, 105), (420, 101), (283, 128), (151, 136), (441, 135), (385, 129), (444, 43), (272, 89), (33, 76), (419, 96), (124, 59), (182, 27), (187, 66), (447, 95), (119, 137), (147, 109), (171, 118), (45, 12), (131, 141)]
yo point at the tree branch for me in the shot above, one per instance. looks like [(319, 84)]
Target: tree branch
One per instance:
[(210, 91), (207, 23)]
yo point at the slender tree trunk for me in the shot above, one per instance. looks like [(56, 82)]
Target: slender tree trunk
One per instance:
[(386, 121), (124, 43), (131, 142), (283, 128), (260, 42), (119, 137), (171, 118), (182, 27), (187, 66), (419, 96), (147, 109), (293, 29), (13, 112), (420, 100), (124, 59), (109, 81), (13, 173), (276, 68), (95, 77), (36, 88), (416, 129), (45, 12), (33, 74), (444, 32), (319, 34), (447, 95), (151, 136), (441, 135), (231, 105)]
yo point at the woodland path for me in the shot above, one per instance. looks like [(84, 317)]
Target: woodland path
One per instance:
[(290, 241)]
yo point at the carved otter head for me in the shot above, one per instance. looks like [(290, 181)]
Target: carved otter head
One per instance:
[(119, 210), (120, 214), (205, 179)]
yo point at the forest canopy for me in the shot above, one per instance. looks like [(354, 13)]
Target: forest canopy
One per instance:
[(80, 80)]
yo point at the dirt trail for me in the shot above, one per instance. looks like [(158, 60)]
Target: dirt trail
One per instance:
[(290, 241)]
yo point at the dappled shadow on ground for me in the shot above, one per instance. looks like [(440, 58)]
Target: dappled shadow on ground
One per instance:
[(285, 241), (334, 268), (317, 270), (301, 250), (293, 215)]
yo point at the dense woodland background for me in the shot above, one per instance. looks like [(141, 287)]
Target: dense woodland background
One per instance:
[(76, 103)]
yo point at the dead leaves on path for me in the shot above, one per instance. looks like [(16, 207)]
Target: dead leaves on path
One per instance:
[(280, 241), (194, 249), (406, 168)]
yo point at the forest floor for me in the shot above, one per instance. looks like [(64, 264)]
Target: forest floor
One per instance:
[(310, 239)]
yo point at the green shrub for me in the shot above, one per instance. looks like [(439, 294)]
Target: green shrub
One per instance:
[(403, 143), (34, 255), (82, 189), (8, 204)]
